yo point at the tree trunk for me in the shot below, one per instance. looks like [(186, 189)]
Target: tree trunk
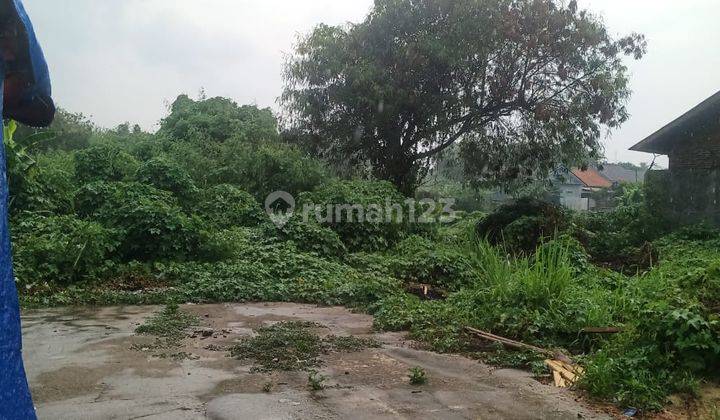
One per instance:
[(402, 172)]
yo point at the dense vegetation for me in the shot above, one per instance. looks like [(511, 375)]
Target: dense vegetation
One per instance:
[(125, 216)]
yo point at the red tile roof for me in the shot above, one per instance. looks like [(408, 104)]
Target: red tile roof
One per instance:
[(592, 178)]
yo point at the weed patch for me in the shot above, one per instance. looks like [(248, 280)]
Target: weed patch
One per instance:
[(294, 345), (418, 376), (168, 325), (349, 344)]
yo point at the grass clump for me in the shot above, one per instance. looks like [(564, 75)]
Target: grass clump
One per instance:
[(293, 345), (286, 346), (170, 323)]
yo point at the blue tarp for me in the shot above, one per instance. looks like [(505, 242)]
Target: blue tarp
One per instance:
[(25, 65)]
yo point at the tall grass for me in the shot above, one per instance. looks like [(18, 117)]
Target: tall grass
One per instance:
[(548, 275), (492, 265), (537, 279)]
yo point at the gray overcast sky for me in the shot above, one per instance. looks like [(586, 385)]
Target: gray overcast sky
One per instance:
[(125, 60)]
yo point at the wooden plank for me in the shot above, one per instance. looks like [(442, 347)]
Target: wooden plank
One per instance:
[(574, 368), (560, 369), (559, 381)]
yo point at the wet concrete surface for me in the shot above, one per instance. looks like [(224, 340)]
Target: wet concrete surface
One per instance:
[(89, 364)]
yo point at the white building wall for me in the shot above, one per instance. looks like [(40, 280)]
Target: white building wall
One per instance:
[(571, 197)]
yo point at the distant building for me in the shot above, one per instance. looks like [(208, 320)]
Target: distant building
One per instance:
[(689, 191), (576, 187), (621, 174)]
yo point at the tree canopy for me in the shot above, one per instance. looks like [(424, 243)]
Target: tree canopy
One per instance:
[(217, 119), (521, 84)]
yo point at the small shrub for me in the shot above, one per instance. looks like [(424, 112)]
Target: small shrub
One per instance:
[(284, 346), (349, 344), (418, 376), (170, 323), (316, 381), (521, 225)]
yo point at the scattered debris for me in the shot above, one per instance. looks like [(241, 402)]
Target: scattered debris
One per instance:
[(214, 347), (203, 333), (630, 412), (564, 374)]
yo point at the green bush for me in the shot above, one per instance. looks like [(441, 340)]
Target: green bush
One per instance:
[(225, 206), (151, 223), (227, 244), (420, 260), (311, 237), (268, 167), (59, 250), (385, 213), (520, 226), (167, 175), (104, 162), (100, 199), (48, 186), (619, 238)]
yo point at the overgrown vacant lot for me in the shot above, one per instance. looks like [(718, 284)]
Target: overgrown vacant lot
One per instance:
[(125, 217)]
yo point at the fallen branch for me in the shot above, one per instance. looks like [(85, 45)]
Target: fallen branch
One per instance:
[(520, 346), (508, 342), (565, 371)]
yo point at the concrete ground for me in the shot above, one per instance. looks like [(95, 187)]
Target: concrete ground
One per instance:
[(88, 364)]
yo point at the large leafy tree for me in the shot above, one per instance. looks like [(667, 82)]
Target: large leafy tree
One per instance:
[(521, 84)]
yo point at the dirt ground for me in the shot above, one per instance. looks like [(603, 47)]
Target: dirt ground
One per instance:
[(89, 364)]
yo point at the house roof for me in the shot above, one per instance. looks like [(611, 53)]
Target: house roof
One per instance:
[(701, 120), (592, 178), (618, 173)]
